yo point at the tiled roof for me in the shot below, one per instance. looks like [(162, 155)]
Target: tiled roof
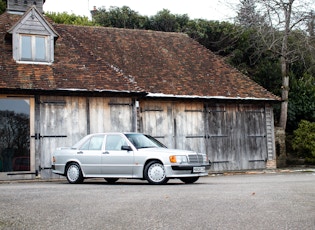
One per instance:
[(123, 60)]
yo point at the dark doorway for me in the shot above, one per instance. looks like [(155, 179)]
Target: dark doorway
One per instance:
[(14, 134)]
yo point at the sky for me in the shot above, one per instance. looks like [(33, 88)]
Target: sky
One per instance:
[(221, 10)]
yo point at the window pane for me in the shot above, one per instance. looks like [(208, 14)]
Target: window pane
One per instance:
[(40, 48), (94, 143), (15, 135), (114, 142), (86, 145), (26, 48)]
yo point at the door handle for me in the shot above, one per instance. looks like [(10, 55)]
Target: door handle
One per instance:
[(80, 152), (106, 152)]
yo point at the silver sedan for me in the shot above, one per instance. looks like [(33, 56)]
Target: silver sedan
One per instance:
[(127, 155)]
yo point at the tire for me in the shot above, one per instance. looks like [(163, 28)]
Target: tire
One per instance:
[(189, 180), (154, 173), (74, 174), (111, 180)]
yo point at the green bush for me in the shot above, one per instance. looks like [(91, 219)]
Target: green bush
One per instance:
[(304, 140)]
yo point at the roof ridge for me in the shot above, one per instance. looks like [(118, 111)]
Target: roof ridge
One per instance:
[(122, 29)]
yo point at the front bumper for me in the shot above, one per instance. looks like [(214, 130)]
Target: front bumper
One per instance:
[(177, 171), (188, 167)]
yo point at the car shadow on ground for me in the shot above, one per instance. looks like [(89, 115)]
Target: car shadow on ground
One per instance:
[(124, 182)]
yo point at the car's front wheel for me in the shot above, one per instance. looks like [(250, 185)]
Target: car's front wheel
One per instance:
[(189, 180), (74, 173), (154, 173)]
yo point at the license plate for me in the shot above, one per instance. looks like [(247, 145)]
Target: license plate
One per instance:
[(199, 169)]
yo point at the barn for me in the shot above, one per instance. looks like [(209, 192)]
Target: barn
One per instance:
[(59, 83)]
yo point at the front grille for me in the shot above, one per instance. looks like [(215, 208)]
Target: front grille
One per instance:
[(195, 159)]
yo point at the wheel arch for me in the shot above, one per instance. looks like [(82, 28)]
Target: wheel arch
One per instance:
[(148, 161), (67, 165)]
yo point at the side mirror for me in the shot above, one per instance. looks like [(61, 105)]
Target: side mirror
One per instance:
[(126, 147)]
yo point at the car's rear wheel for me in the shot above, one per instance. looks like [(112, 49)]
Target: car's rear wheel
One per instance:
[(111, 180), (74, 174), (189, 180), (154, 173)]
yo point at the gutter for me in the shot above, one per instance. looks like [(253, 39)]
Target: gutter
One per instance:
[(159, 95)]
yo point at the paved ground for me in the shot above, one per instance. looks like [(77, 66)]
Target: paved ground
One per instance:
[(274, 200)]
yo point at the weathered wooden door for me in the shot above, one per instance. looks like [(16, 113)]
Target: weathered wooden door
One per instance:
[(61, 121), (236, 136), (189, 126), (177, 125), (111, 115), (157, 120)]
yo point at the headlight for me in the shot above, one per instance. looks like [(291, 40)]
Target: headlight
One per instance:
[(178, 159)]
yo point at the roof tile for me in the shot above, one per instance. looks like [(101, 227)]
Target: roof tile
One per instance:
[(99, 58)]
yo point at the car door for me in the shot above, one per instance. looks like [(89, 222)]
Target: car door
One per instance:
[(89, 155), (115, 161)]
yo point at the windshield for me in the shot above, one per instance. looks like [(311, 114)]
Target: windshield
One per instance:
[(144, 141)]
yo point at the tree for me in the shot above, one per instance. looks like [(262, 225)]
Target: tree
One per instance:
[(282, 19), (304, 140), (118, 17), (247, 15), (3, 6), (167, 22), (71, 19), (311, 24), (302, 100)]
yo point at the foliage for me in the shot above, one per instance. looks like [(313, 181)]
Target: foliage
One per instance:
[(304, 139), (117, 17), (302, 100), (71, 19), (167, 22), (3, 6)]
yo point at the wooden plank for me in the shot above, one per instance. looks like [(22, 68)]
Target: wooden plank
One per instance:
[(121, 114), (236, 136), (67, 119), (176, 122)]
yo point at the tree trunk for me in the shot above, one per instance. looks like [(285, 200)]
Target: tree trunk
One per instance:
[(284, 97), (284, 66)]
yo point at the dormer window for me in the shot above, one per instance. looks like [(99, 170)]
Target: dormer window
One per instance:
[(33, 39), (33, 48)]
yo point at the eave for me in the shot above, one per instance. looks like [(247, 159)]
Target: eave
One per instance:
[(169, 96)]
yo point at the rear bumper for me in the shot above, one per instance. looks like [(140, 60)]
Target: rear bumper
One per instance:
[(57, 169)]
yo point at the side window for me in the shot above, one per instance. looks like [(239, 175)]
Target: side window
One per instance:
[(114, 142), (94, 143)]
